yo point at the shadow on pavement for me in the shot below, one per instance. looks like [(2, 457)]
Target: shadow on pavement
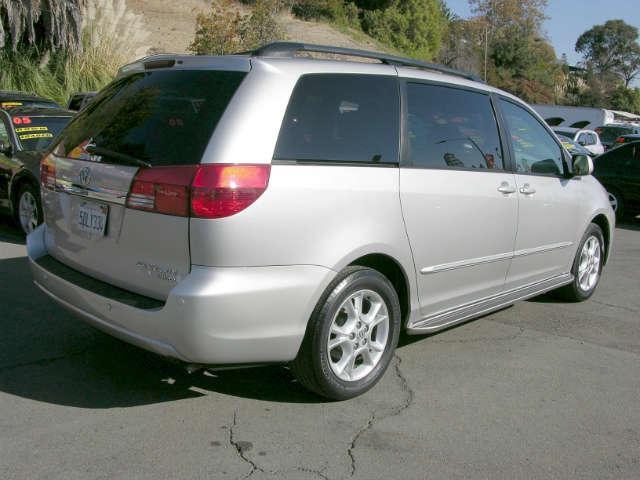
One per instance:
[(48, 355), (9, 232)]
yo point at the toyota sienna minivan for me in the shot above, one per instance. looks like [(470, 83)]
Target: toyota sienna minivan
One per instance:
[(269, 208)]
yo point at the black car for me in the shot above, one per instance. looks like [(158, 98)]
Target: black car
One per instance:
[(9, 100), (79, 100), (609, 133), (24, 133), (632, 137), (619, 172)]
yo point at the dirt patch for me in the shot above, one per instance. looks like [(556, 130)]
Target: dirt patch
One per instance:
[(172, 26)]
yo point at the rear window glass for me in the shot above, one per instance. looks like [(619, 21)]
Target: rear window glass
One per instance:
[(37, 133), (164, 117), (341, 118), (9, 104), (609, 134)]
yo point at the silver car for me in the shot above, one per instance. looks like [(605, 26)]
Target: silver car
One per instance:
[(266, 208)]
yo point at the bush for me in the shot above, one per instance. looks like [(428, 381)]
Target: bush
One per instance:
[(335, 10), (224, 30), (415, 27)]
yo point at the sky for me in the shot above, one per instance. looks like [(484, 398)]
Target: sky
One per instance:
[(568, 19)]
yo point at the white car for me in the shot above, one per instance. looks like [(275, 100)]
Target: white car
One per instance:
[(587, 138)]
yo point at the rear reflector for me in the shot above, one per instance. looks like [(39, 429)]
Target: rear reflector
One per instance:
[(203, 191), (48, 173)]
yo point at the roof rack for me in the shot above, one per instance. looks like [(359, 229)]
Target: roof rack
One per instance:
[(289, 49)]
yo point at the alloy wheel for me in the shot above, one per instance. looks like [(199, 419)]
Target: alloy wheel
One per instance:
[(28, 212), (358, 335), (589, 266)]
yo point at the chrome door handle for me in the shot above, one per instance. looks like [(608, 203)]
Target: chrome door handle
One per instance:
[(506, 188), (527, 189)]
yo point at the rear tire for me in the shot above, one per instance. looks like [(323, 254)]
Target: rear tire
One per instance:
[(351, 336), (587, 266)]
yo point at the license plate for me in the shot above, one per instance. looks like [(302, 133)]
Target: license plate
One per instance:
[(92, 218)]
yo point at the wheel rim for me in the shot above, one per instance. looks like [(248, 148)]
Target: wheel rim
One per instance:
[(28, 212), (613, 201), (589, 266), (358, 335)]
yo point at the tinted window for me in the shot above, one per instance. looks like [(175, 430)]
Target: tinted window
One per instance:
[(75, 103), (614, 160), (344, 118), (4, 135), (451, 128), (609, 134), (164, 117), (534, 148), (36, 133)]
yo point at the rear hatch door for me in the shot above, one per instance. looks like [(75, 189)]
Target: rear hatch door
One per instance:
[(149, 119)]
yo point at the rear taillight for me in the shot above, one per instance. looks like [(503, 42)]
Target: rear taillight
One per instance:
[(203, 191), (48, 173), (620, 140), (220, 190)]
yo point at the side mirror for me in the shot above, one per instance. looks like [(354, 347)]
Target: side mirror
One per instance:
[(582, 165), (6, 148)]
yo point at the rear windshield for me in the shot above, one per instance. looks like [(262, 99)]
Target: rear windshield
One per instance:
[(36, 133), (165, 117)]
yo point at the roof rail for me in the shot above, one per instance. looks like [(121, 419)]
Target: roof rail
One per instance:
[(289, 49)]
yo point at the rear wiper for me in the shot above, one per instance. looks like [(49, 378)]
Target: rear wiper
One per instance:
[(117, 155)]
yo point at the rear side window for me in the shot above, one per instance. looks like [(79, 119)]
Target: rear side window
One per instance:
[(534, 148), (163, 117), (341, 118), (451, 128)]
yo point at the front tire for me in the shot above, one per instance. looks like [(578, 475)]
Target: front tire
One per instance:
[(351, 336), (587, 266), (28, 209)]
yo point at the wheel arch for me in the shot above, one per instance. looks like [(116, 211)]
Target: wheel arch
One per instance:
[(21, 178), (393, 270), (602, 221)]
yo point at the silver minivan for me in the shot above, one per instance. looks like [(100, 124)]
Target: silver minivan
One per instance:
[(267, 208)]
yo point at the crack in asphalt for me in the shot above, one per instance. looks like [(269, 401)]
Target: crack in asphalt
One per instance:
[(373, 419), (40, 361), (613, 305), (239, 448)]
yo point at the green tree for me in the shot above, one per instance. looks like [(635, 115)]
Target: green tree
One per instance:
[(415, 27), (611, 48)]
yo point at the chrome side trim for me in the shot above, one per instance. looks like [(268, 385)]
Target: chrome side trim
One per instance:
[(493, 258), (95, 193), (459, 314)]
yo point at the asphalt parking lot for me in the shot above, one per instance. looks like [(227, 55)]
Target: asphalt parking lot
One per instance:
[(540, 390)]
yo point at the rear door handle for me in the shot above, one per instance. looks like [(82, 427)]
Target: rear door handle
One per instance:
[(506, 188), (527, 189)]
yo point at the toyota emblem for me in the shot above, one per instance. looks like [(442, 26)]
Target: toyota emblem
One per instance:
[(85, 176)]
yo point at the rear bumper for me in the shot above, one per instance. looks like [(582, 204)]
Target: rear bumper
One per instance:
[(213, 316)]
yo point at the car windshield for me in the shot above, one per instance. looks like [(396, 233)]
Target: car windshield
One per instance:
[(159, 118), (37, 132)]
